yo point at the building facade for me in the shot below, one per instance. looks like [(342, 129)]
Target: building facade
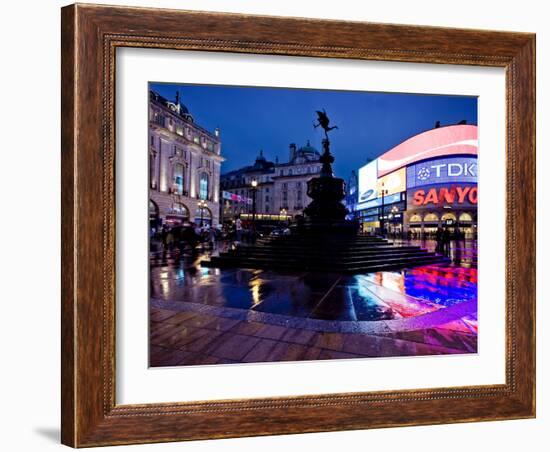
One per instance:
[(427, 182), (184, 166), (281, 191)]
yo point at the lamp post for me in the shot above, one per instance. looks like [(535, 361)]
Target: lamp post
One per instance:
[(282, 214), (394, 211), (254, 185), (202, 206), (381, 218)]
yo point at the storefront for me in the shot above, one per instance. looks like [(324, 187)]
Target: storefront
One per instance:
[(177, 215), (154, 217), (425, 183), (203, 217), (452, 207)]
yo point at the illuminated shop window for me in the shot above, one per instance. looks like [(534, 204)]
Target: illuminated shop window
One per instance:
[(465, 217), (179, 209), (431, 217), (415, 219), (448, 216)]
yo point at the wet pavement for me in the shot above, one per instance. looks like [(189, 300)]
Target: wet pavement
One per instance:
[(203, 315)]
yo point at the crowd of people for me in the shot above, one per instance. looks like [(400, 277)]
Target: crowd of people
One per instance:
[(193, 238)]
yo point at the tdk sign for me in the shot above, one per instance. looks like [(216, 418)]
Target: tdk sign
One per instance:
[(453, 169)]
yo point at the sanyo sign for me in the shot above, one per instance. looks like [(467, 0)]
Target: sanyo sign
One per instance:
[(452, 169)]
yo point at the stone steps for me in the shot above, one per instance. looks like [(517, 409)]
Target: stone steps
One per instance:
[(323, 255), (326, 253), (295, 264)]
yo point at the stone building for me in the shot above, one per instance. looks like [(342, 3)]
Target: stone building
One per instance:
[(281, 189), (184, 165)]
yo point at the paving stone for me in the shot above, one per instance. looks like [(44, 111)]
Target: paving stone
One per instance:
[(232, 346)]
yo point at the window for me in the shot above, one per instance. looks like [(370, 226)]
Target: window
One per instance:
[(152, 141), (159, 119), (465, 217), (179, 209), (431, 218), (415, 218), (203, 186), (196, 139), (152, 182), (178, 178), (266, 198), (448, 216)]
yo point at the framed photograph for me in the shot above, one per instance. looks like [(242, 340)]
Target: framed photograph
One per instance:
[(283, 225)]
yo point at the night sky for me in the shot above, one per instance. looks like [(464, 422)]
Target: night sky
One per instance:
[(369, 123)]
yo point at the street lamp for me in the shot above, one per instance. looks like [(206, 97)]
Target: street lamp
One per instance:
[(393, 217), (381, 218), (254, 185), (202, 206), (282, 214)]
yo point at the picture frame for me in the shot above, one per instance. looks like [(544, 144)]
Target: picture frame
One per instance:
[(90, 36)]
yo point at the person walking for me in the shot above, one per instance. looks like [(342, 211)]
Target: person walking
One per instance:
[(446, 239), (439, 240), (238, 229)]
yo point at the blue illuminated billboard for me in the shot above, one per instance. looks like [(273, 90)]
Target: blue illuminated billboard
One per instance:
[(389, 199), (442, 171)]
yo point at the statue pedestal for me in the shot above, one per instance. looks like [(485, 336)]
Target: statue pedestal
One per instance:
[(326, 213)]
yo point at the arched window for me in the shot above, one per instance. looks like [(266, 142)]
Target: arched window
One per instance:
[(153, 208), (448, 216), (415, 218), (203, 216), (430, 218), (465, 217), (179, 209), (179, 178), (203, 186)]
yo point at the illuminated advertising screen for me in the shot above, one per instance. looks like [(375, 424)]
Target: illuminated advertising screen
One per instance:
[(367, 182), (395, 182), (442, 171), (440, 142), (435, 196), (390, 199)]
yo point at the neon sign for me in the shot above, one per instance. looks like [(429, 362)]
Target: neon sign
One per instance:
[(445, 195), (445, 170), (435, 143)]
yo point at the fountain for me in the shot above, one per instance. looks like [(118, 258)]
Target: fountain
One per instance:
[(323, 240)]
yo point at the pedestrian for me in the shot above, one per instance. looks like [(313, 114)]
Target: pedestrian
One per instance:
[(439, 240), (211, 238), (446, 239), (238, 229)]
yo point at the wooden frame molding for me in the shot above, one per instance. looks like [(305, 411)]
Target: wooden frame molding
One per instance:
[(90, 36)]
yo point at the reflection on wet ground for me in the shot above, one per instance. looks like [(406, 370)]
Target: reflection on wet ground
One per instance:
[(368, 297), (201, 315)]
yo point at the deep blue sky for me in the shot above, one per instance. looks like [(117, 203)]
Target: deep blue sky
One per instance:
[(369, 123)]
